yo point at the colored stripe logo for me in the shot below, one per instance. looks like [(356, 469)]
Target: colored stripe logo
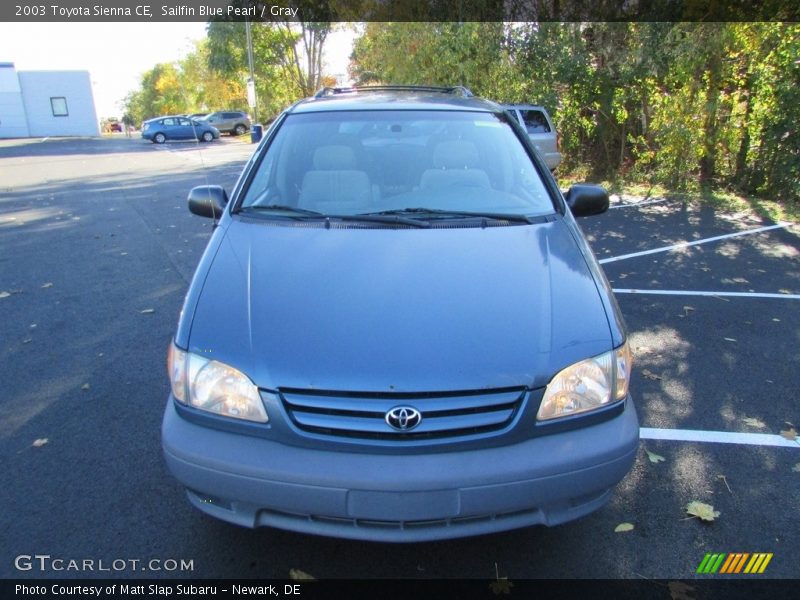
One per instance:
[(735, 562)]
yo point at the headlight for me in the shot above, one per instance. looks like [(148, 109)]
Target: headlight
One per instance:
[(213, 386), (588, 385)]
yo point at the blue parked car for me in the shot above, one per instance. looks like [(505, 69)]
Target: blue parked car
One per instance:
[(397, 331), (161, 129)]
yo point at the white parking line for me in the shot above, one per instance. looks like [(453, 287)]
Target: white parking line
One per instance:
[(717, 437), (703, 293), (641, 203), (695, 242)]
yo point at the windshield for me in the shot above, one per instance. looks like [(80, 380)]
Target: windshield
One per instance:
[(359, 162)]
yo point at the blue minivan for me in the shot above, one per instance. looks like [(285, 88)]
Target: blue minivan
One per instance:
[(397, 331)]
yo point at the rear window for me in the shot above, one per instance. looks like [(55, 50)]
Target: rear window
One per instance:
[(535, 121), (364, 161)]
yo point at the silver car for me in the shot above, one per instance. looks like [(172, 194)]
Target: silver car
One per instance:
[(234, 122), (540, 130)]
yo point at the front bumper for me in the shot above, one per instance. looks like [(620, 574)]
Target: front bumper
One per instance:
[(253, 482)]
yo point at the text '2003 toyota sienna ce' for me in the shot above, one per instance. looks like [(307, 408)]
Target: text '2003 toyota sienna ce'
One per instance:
[(397, 331)]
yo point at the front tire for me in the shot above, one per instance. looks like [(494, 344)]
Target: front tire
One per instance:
[(207, 136), (240, 129), (159, 138)]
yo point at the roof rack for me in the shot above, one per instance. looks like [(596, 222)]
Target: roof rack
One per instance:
[(456, 89)]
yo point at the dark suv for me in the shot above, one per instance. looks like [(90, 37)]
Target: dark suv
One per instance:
[(397, 331), (229, 121)]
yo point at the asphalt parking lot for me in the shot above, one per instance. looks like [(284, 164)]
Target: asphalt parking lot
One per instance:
[(97, 249)]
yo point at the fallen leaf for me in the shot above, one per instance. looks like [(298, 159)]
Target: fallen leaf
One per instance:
[(123, 254), (623, 527), (650, 375), (790, 434), (777, 320), (47, 285), (501, 586), (753, 422), (725, 481), (796, 468), (148, 311), (680, 591), (40, 442), (85, 386), (655, 458), (27, 340), (299, 575), (4, 294), (688, 309), (701, 510), (729, 339), (643, 349)]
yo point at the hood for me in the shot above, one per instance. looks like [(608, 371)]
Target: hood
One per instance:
[(395, 310)]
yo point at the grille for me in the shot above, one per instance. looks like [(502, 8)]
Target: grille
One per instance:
[(364, 415), (531, 515)]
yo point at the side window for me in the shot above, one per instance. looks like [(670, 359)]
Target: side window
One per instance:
[(59, 106), (231, 115), (185, 122), (535, 121), (168, 122)]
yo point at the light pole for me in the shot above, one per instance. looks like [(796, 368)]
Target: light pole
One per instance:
[(252, 99)]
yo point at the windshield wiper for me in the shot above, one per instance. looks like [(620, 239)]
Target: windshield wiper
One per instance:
[(389, 219), (456, 213), (303, 212), (282, 208)]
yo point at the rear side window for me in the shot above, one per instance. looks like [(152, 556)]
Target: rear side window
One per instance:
[(168, 122), (535, 121)]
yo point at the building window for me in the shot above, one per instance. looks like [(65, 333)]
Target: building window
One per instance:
[(59, 106)]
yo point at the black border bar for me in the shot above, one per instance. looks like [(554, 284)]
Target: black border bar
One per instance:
[(398, 10), (750, 587)]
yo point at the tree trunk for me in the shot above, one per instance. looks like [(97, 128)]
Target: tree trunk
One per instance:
[(709, 158), (744, 145)]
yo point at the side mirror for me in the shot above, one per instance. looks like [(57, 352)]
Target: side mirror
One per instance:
[(208, 201), (585, 199)]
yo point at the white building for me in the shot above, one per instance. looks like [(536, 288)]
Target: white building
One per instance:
[(46, 103)]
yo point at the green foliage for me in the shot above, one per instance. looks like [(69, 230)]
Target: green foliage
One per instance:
[(287, 57), (287, 66), (680, 104), (186, 86)]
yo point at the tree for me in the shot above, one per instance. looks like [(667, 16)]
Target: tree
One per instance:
[(288, 58)]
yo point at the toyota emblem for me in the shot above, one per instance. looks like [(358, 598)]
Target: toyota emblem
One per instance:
[(403, 418)]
